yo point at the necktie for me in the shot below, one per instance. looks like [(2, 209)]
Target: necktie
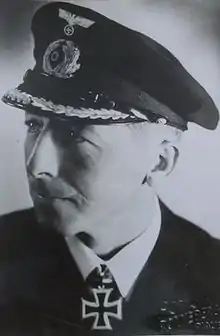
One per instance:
[(104, 302)]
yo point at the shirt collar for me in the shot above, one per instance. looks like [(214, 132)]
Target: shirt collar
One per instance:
[(120, 265)]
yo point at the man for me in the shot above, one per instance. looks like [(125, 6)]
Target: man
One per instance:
[(105, 110)]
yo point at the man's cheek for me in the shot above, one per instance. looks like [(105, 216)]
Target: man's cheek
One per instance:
[(82, 169), (91, 153), (75, 162)]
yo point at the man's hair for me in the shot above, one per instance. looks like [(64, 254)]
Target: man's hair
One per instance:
[(169, 131)]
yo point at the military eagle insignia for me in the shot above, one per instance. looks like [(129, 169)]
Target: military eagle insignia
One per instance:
[(61, 59), (73, 20)]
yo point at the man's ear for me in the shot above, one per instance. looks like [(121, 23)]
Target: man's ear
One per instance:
[(167, 158), (164, 153), (168, 155)]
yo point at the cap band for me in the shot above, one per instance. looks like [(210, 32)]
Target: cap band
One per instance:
[(24, 100), (104, 97)]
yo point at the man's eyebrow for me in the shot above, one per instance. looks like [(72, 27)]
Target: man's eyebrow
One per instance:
[(36, 120), (65, 123)]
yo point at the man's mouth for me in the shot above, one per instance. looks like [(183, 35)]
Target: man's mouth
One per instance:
[(76, 200), (50, 192)]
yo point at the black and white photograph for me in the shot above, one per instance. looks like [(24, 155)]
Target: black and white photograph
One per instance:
[(110, 167)]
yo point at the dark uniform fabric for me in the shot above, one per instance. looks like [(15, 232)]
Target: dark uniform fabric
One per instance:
[(41, 287)]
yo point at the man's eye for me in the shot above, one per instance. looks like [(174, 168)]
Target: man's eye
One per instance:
[(68, 135), (76, 135), (33, 126)]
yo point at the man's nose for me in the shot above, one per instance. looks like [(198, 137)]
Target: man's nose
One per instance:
[(44, 159)]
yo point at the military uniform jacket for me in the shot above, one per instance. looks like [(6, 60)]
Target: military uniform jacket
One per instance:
[(41, 288)]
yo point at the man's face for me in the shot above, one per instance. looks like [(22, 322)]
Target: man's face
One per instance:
[(81, 176)]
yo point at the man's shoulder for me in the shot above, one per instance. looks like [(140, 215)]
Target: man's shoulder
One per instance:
[(21, 236), (201, 246), (19, 217), (17, 222), (17, 225), (186, 260), (186, 232), (192, 251)]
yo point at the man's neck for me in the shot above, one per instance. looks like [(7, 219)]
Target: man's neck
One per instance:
[(121, 228), (119, 264)]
